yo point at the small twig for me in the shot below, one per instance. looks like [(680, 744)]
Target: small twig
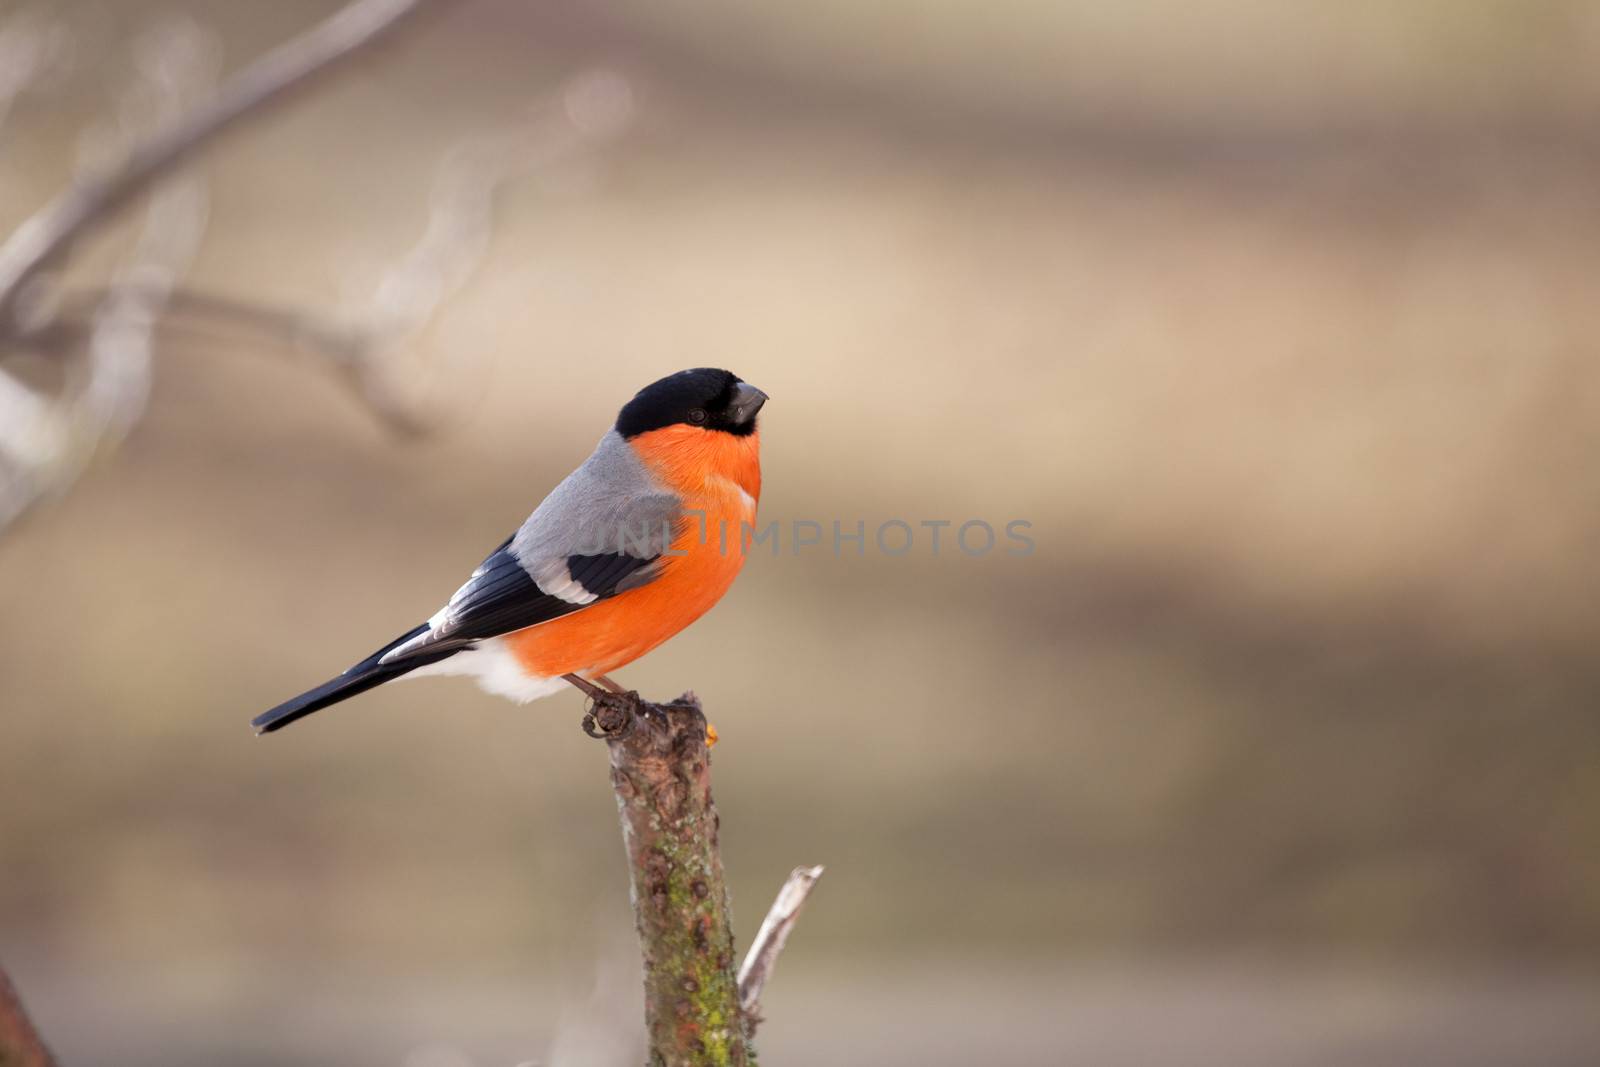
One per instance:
[(770, 939), (20, 1045), (77, 209)]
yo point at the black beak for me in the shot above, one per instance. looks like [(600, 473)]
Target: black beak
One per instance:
[(747, 400)]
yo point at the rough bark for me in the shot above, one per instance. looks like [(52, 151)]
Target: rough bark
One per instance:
[(20, 1045), (661, 772)]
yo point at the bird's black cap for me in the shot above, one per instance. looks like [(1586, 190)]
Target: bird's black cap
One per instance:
[(704, 397)]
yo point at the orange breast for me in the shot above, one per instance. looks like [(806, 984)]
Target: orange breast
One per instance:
[(714, 473)]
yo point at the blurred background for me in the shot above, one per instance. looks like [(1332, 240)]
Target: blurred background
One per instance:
[(1276, 321)]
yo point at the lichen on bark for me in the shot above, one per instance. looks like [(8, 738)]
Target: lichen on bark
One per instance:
[(661, 773)]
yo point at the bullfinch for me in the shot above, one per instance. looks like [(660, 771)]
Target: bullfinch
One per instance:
[(631, 548)]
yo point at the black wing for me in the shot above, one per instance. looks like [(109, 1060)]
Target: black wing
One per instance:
[(502, 597)]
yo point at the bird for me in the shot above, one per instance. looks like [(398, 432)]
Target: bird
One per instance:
[(643, 538)]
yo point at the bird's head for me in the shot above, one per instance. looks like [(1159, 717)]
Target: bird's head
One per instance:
[(715, 401)]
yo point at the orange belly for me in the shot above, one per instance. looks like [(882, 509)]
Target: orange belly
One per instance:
[(613, 633)]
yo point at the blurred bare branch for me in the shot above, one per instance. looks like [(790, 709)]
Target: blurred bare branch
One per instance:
[(48, 444), (762, 958), (46, 236), (221, 321), (173, 62), (375, 341), (44, 444)]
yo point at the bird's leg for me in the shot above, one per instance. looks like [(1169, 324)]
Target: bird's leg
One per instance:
[(609, 684), (593, 692), (611, 714)]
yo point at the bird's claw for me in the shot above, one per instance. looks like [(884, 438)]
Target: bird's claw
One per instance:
[(611, 716)]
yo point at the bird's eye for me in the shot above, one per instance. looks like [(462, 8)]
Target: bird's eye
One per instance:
[(697, 416)]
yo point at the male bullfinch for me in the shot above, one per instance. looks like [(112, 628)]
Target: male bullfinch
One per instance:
[(632, 547)]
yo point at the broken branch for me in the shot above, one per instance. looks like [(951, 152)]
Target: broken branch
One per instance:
[(770, 939)]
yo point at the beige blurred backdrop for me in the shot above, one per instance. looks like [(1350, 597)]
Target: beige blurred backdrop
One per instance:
[(1276, 321)]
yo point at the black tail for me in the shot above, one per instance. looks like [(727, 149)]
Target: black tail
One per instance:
[(358, 679)]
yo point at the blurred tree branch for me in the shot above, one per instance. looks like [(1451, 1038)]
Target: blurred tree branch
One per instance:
[(87, 202), (44, 445), (698, 1011), (20, 1045), (365, 343), (217, 318), (104, 338)]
